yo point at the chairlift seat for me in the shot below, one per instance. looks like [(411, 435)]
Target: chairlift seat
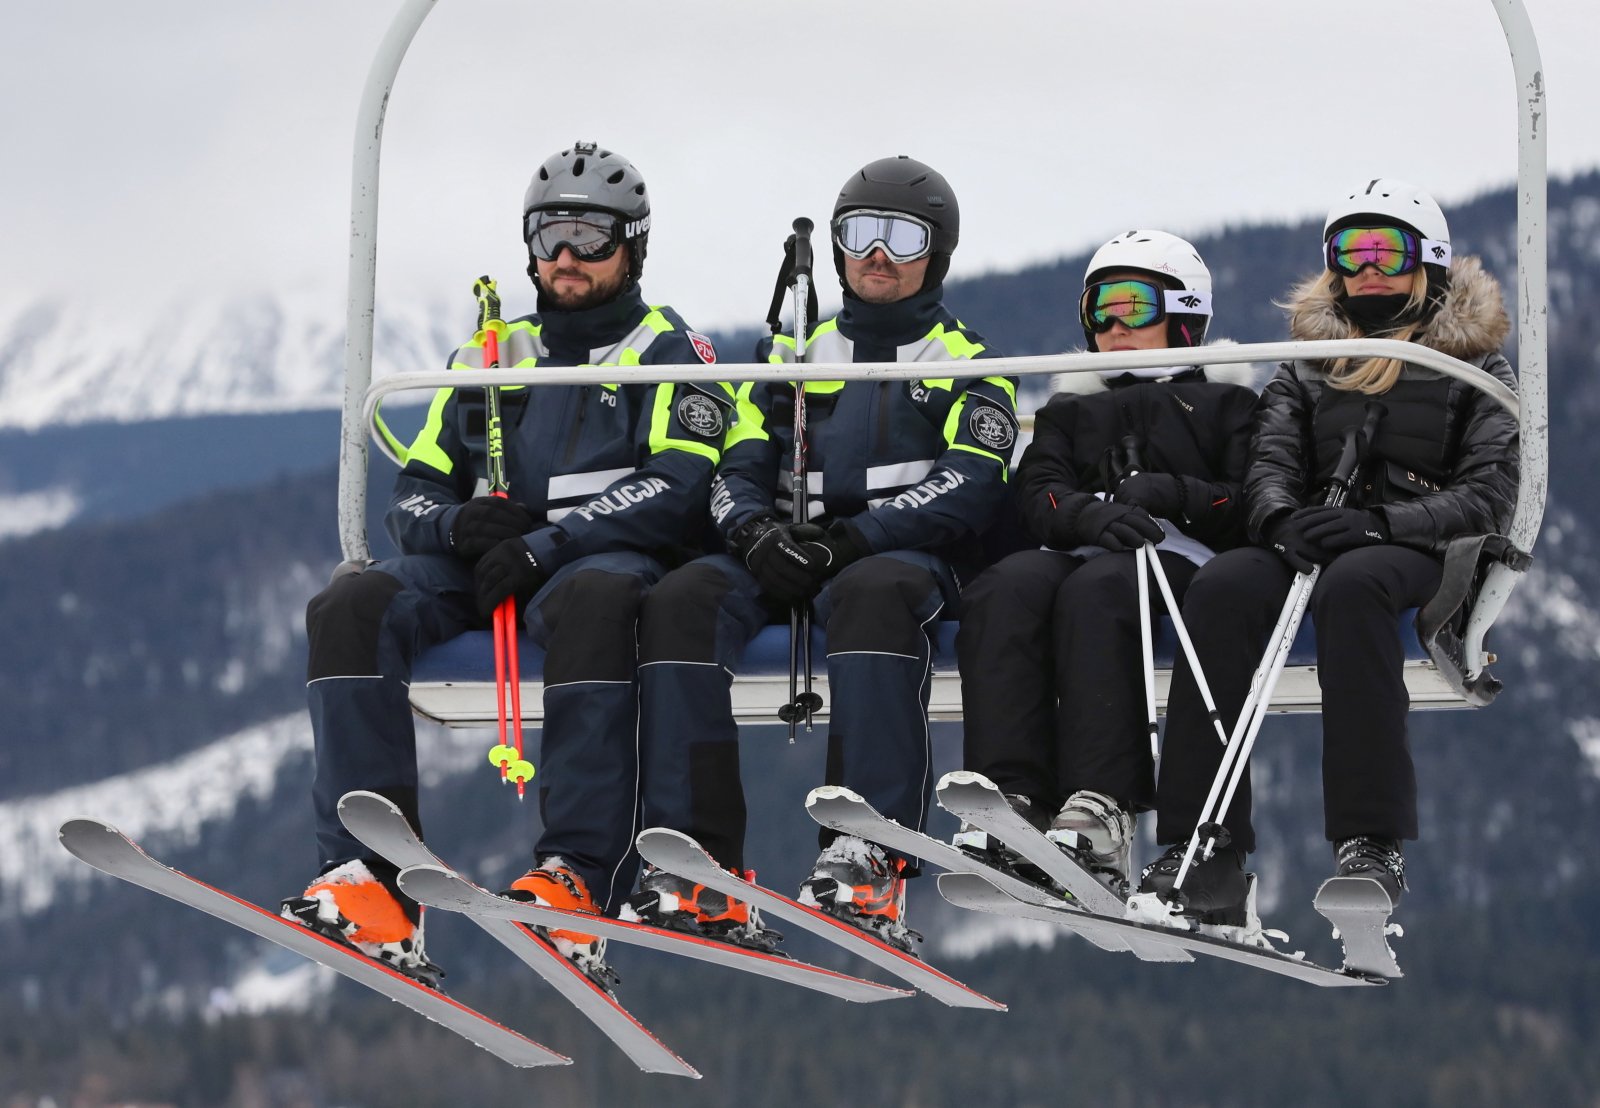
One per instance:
[(453, 683)]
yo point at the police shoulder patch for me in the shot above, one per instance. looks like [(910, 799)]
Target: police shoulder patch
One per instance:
[(992, 427), (700, 415), (703, 347)]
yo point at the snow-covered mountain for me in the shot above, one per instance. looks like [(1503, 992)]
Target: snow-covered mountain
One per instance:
[(271, 351)]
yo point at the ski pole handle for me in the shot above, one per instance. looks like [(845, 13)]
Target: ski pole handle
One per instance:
[(802, 247), (1353, 453)]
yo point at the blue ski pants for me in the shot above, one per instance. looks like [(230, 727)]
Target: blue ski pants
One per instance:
[(367, 629), (878, 615)]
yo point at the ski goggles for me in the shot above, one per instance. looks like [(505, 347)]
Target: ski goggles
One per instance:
[(591, 236), (1392, 251), (1135, 304), (903, 238)]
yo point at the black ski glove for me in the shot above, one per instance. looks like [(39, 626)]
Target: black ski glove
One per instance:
[(1336, 530), (509, 569), (1116, 527), (831, 549), (1285, 535), (484, 522), (783, 566), (1160, 494)]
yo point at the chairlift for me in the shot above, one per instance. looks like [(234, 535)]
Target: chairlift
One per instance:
[(1446, 666)]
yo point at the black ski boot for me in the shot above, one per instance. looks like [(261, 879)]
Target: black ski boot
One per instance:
[(1369, 856), (1216, 890)]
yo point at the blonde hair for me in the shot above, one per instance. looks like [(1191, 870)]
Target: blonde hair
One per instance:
[(1376, 376)]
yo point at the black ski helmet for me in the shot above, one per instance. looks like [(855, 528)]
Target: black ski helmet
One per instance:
[(903, 184), (589, 178)]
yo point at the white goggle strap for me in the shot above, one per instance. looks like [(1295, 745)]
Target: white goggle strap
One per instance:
[(1187, 302), (1436, 252)]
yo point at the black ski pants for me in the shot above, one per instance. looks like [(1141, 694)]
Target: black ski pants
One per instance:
[(1052, 675), (1369, 786)]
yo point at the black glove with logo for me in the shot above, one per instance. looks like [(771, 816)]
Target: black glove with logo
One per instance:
[(782, 565), (1336, 530), (1115, 526), (1160, 494), (509, 569), (484, 522), (1286, 535)]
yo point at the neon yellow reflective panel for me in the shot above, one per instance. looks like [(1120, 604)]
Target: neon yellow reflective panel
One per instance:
[(956, 343), (748, 424), (657, 322), (661, 419), (425, 447), (394, 444)]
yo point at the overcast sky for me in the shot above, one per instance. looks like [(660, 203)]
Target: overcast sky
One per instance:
[(156, 147)]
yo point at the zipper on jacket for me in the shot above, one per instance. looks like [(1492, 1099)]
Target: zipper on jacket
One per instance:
[(882, 439), (576, 433)]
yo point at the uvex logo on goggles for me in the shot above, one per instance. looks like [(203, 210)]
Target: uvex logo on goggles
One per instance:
[(1391, 250), (591, 236), (1136, 304), (903, 238)]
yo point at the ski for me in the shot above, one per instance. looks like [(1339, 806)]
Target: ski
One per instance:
[(970, 891), (677, 853), (111, 852), (1359, 908), (378, 823), (442, 888), (972, 797), (843, 810)]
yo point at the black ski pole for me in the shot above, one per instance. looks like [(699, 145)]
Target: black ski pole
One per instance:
[(797, 261)]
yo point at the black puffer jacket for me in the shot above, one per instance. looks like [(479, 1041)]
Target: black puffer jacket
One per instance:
[(1444, 460), (1188, 425)]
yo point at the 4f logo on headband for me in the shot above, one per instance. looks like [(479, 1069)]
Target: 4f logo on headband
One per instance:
[(1189, 301)]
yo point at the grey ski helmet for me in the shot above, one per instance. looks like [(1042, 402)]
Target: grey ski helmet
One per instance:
[(903, 184), (590, 178)]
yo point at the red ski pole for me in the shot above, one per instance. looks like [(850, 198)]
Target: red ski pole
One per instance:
[(507, 667)]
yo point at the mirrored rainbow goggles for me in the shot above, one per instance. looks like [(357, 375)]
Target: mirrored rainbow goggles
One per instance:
[(1391, 250), (1136, 304)]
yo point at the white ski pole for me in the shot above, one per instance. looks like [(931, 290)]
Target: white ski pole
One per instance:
[(1248, 725)]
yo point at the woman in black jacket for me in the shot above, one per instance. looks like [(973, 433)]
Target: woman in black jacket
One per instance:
[(1443, 463), (1049, 645)]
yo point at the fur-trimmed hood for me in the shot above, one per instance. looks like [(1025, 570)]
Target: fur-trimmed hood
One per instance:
[(1252, 375), (1470, 323)]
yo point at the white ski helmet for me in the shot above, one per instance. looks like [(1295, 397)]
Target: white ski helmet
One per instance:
[(1172, 261), (1403, 203), (1392, 201)]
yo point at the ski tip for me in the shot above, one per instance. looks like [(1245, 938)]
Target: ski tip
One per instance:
[(361, 798), (964, 777), (657, 833), (82, 825), (831, 792)]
